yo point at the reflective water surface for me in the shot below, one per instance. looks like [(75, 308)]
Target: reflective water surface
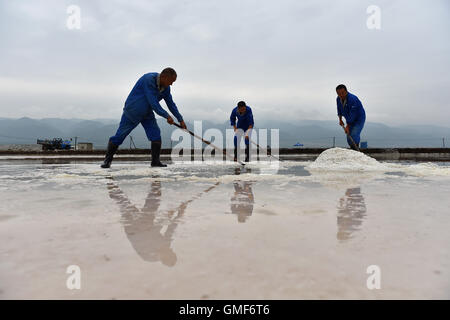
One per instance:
[(222, 231)]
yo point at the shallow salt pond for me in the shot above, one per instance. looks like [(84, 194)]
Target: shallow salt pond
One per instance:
[(215, 230)]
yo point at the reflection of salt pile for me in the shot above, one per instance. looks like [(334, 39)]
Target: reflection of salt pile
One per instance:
[(345, 160), (427, 169)]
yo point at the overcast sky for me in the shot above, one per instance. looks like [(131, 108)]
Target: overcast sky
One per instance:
[(284, 58)]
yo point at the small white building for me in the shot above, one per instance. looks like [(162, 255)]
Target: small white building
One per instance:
[(85, 146)]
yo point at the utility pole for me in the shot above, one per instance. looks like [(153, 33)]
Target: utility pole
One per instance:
[(334, 142), (132, 142), (443, 142), (76, 143)]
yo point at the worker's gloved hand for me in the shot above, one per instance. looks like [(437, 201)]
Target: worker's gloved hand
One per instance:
[(347, 129), (183, 125), (246, 137), (169, 120), (341, 123)]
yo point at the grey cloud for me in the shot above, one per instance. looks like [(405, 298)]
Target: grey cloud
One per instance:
[(285, 56)]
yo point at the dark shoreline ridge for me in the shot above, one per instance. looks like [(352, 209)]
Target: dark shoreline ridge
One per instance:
[(413, 154)]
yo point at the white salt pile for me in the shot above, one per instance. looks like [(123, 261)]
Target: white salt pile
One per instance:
[(339, 159)]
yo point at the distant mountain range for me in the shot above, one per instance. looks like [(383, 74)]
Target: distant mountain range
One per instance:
[(310, 133)]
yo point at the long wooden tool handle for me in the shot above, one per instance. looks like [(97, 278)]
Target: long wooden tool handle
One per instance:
[(266, 150), (351, 139), (207, 142)]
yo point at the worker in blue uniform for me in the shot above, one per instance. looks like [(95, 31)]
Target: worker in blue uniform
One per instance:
[(244, 125), (349, 107), (140, 106)]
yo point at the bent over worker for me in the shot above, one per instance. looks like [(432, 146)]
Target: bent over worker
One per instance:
[(245, 123), (140, 106), (349, 107)]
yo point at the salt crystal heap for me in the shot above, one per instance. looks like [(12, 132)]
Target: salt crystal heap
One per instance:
[(339, 159)]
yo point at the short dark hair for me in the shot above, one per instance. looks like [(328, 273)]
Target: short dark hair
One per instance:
[(169, 72), (241, 104), (341, 86)]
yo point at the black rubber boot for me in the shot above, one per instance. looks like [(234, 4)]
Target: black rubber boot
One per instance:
[(156, 151), (112, 148), (247, 153), (235, 154)]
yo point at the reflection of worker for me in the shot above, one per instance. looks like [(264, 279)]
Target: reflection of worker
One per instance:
[(242, 200), (142, 227), (351, 212)]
